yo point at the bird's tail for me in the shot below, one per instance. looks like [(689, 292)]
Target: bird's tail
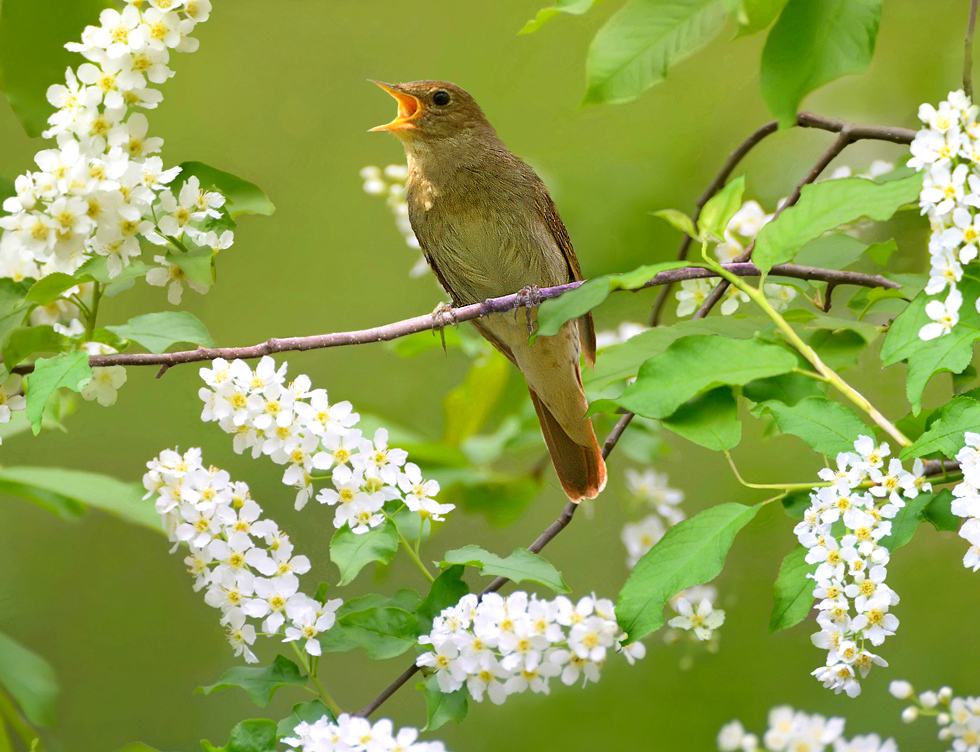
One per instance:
[(580, 467)]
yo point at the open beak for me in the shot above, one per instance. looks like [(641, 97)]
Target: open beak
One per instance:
[(409, 109)]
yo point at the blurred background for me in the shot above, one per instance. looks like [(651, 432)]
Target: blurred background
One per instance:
[(278, 94)]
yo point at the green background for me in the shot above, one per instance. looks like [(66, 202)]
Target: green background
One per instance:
[(278, 94)]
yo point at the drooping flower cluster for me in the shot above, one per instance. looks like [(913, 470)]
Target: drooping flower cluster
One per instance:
[(958, 717), (244, 563), (743, 228), (842, 531), (967, 501), (355, 734), (795, 731), (102, 189), (947, 151), (500, 646), (390, 183), (297, 426)]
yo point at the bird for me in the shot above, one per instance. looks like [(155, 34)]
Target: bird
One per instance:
[(488, 228)]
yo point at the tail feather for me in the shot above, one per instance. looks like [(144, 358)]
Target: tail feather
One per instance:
[(581, 469)]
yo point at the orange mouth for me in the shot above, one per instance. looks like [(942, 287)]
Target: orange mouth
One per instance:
[(409, 109)]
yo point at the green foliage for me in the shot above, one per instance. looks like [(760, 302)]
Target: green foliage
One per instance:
[(352, 552), (788, 388), (24, 341), (825, 206), (637, 46), (158, 331), (440, 707), (709, 420), (572, 7), (813, 43), (446, 591), (904, 523), (881, 252), (945, 434), (938, 512), (243, 197), (679, 221), (519, 566), (792, 593), (381, 631), (471, 404), (310, 712), (691, 553), (827, 427), (259, 682), (69, 492), (33, 55), (697, 363), (68, 370), (720, 209), (834, 251), (29, 680), (256, 735), (755, 15), (197, 265), (13, 307)]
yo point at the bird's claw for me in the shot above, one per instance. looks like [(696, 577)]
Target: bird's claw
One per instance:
[(528, 298), (443, 315)]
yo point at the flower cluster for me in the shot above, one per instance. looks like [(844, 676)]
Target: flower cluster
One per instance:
[(102, 189), (967, 501), (958, 717), (743, 229), (499, 646), (390, 183), (297, 426), (842, 532), (947, 151), (353, 734), (795, 731), (243, 562)]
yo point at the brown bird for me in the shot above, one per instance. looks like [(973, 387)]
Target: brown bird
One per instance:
[(488, 228)]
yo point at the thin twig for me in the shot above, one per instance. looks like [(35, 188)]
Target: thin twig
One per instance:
[(968, 51), (454, 315)]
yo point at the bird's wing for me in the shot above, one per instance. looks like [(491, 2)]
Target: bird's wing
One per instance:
[(548, 212)]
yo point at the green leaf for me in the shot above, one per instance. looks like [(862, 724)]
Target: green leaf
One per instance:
[(24, 341), (97, 269), (13, 308), (720, 209), (83, 489), (945, 434), (447, 590), (310, 712), (679, 221), (519, 566), (440, 707), (755, 15), (709, 420), (68, 370), (382, 632), (691, 553), (257, 735), (259, 683), (906, 521), (158, 331), (813, 43), (30, 681), (697, 363), (788, 388), (825, 206), (554, 312), (635, 48), (352, 552), (572, 7), (470, 405), (50, 288), (827, 427), (792, 593), (197, 265), (243, 197), (938, 513), (33, 34), (834, 251), (881, 252)]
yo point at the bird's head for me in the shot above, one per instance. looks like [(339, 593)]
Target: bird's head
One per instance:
[(431, 111)]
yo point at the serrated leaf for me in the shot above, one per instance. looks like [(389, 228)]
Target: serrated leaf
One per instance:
[(825, 206), (827, 427), (446, 591), (834, 251), (29, 680), (13, 307), (519, 566), (905, 522), (310, 712), (788, 388), (679, 221), (792, 593), (158, 331), (470, 405), (697, 363), (352, 552), (260, 682), (571, 7), (68, 370), (442, 707), (637, 46), (813, 43), (243, 197), (709, 420), (691, 553), (256, 735), (23, 342), (946, 432), (720, 209), (381, 631), (97, 269), (938, 513)]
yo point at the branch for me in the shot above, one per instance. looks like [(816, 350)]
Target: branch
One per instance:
[(436, 321), (968, 51)]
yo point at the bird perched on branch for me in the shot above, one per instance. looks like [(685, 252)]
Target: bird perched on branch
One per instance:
[(488, 228)]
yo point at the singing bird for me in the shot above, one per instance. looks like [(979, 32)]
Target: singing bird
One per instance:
[(488, 227)]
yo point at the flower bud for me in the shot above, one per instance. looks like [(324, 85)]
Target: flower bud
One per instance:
[(910, 714), (901, 690)]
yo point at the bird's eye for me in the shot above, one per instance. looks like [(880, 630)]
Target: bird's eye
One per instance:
[(441, 98)]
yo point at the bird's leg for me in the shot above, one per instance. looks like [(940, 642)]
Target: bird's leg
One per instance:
[(529, 298), (443, 314)]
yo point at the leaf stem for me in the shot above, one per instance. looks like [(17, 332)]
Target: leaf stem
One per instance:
[(94, 311), (785, 487), (404, 543), (28, 735), (311, 675)]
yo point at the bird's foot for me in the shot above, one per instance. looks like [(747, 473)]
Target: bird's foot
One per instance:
[(528, 298), (443, 315)]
